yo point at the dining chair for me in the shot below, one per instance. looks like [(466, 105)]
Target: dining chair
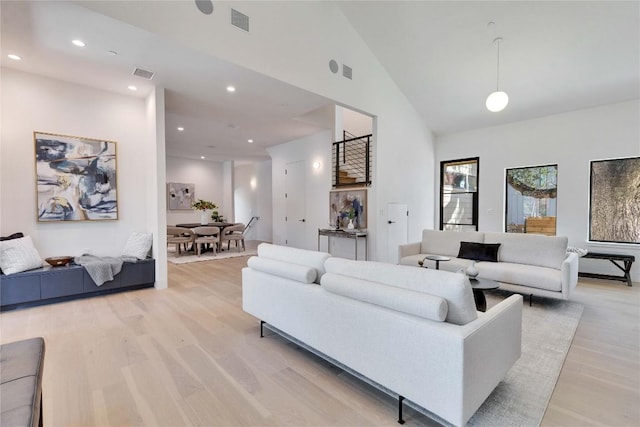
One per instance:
[(180, 236), (207, 235), (234, 232)]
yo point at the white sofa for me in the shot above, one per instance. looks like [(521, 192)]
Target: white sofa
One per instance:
[(527, 263), (415, 333)]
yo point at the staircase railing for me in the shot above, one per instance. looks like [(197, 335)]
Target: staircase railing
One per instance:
[(250, 223), (352, 159)]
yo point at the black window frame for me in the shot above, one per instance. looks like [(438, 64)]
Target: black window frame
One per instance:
[(476, 194)]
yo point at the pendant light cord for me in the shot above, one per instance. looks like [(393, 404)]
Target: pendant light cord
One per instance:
[(498, 66)]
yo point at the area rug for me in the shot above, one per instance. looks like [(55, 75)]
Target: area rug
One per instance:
[(173, 258), (522, 397)]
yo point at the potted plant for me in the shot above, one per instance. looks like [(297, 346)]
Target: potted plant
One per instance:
[(204, 206), (351, 215)]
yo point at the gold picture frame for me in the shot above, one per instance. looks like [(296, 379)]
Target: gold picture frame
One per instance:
[(76, 178)]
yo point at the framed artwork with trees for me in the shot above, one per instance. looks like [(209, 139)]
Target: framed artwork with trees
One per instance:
[(531, 199)]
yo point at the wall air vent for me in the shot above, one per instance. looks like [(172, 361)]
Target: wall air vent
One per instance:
[(139, 72), (239, 20), (347, 72)]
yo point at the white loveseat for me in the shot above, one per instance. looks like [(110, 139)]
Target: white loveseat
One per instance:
[(527, 263), (415, 333)]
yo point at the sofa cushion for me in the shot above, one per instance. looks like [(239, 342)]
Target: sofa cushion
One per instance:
[(533, 276), (447, 242), (479, 251), (454, 288), (403, 300), (296, 256), (299, 273), (19, 255), (531, 249)]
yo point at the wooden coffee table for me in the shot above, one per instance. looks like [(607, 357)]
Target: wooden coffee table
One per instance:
[(479, 286)]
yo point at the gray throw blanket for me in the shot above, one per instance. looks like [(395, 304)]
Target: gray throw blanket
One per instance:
[(102, 269)]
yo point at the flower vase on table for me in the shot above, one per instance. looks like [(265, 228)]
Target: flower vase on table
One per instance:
[(350, 225), (472, 271), (204, 218)]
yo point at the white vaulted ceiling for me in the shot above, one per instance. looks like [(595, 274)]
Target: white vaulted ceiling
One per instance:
[(556, 57)]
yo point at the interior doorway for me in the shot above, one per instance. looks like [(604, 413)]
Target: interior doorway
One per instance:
[(295, 203)]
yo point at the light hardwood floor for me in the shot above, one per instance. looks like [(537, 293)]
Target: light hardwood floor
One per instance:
[(189, 355)]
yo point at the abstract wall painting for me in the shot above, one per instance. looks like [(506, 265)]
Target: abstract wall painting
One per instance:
[(75, 178), (614, 202), (346, 205), (180, 196)]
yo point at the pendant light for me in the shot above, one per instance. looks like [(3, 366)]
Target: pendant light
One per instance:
[(498, 100)]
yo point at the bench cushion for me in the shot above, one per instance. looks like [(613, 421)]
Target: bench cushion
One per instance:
[(21, 365)]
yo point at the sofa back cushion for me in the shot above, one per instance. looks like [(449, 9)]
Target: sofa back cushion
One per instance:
[(453, 287), (403, 300), (447, 242), (531, 249), (302, 257), (299, 273)]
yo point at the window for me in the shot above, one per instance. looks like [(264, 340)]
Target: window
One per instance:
[(531, 200), (459, 194)]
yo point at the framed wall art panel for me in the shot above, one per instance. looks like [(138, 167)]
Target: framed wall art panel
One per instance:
[(76, 178), (614, 201), (348, 204), (180, 196)]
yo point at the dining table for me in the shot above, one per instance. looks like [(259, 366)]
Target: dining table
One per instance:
[(220, 225)]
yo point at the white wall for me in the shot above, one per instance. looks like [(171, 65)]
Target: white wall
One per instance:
[(34, 103), (571, 140), (404, 152), (318, 183), (208, 180), (253, 197)]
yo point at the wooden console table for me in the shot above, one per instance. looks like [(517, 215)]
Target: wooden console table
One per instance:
[(626, 270), (346, 234)]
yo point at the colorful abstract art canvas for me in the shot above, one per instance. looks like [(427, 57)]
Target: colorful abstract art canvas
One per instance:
[(348, 206), (75, 178)]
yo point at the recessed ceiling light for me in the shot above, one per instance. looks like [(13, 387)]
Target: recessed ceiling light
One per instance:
[(250, 141), (231, 89), (14, 57), (180, 128), (202, 157), (132, 87), (78, 43)]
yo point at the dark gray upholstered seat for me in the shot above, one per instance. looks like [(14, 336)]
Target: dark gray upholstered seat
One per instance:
[(21, 365)]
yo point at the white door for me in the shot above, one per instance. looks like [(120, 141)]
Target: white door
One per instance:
[(397, 229), (295, 215)]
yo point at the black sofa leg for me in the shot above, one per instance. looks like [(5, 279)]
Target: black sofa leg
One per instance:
[(40, 421), (261, 329), (530, 300), (400, 420)]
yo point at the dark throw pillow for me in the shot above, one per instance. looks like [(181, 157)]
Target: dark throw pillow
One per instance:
[(479, 251)]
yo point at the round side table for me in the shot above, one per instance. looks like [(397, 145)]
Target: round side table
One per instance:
[(437, 259)]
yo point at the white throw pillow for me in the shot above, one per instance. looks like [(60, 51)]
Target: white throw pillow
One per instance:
[(19, 255), (138, 245)]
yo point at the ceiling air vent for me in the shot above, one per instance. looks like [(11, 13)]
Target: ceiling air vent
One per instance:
[(239, 20), (347, 71), (143, 73)]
